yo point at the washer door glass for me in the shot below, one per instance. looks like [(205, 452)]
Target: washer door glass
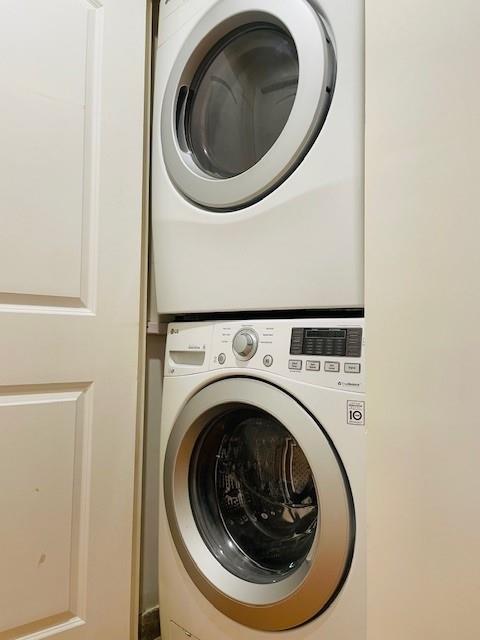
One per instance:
[(258, 503), (253, 496), (242, 97)]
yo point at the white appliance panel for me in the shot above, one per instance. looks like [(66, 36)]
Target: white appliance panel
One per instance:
[(301, 245), (317, 392)]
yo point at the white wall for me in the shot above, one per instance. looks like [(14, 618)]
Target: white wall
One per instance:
[(423, 310)]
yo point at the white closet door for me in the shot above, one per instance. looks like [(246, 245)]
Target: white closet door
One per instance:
[(71, 156), (423, 311)]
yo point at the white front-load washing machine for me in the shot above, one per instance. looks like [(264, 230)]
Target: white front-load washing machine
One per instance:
[(257, 156), (262, 508)]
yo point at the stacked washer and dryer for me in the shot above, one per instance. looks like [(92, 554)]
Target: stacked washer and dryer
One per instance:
[(257, 208)]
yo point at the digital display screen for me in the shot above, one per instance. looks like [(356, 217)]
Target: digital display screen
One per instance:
[(325, 333), (329, 342)]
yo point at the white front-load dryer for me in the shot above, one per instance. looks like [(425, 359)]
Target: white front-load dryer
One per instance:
[(257, 157), (262, 509)]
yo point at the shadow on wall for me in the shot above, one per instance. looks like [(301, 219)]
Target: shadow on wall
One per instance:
[(149, 625)]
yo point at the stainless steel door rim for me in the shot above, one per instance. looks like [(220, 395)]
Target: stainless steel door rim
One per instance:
[(316, 77), (307, 591)]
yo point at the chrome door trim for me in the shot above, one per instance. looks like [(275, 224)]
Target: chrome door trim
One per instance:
[(314, 93), (312, 587)]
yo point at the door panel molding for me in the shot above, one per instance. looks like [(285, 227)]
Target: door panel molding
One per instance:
[(46, 123), (45, 435)]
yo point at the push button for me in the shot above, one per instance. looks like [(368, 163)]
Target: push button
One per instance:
[(221, 358), (268, 361), (333, 367), (312, 365), (352, 367), (295, 365)]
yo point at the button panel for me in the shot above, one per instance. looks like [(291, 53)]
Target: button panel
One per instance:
[(352, 367), (312, 365), (333, 367), (295, 365)]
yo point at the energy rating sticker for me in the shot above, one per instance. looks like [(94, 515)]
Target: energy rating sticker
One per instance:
[(355, 412)]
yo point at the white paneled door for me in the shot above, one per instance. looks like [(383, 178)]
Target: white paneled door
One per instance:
[(71, 157)]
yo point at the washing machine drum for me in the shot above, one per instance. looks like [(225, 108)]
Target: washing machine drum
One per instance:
[(258, 504), (247, 96)]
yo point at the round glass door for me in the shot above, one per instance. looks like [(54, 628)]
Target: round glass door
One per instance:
[(253, 496), (258, 504), (247, 96), (241, 99)]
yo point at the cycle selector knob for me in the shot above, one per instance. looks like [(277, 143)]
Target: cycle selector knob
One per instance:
[(245, 344)]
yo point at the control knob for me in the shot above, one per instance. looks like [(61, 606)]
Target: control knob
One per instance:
[(245, 344)]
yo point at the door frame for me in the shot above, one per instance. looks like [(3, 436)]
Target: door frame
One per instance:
[(143, 315)]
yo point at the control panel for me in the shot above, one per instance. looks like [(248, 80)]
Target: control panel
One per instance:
[(325, 352), (316, 341)]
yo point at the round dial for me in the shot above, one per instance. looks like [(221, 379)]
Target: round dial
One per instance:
[(245, 344)]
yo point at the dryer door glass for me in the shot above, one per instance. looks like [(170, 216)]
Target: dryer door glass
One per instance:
[(247, 96), (253, 495), (243, 94)]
